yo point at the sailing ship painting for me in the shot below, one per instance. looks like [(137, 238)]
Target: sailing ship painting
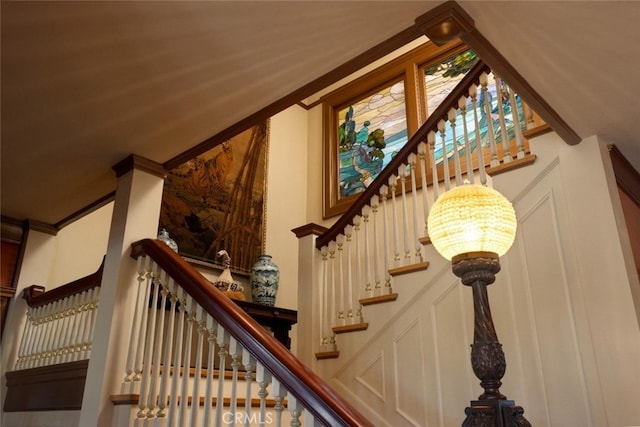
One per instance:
[(216, 201)]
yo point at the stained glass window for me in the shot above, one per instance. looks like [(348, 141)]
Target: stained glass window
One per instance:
[(369, 134)]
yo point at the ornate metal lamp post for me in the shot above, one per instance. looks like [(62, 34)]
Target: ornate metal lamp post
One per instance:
[(472, 226)]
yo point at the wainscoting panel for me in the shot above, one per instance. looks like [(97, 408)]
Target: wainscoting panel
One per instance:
[(545, 306)]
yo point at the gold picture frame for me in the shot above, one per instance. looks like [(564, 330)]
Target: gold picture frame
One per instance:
[(217, 201)]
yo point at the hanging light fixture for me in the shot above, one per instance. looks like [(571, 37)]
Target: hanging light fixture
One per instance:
[(472, 226)]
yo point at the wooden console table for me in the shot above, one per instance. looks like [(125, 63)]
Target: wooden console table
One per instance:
[(278, 320)]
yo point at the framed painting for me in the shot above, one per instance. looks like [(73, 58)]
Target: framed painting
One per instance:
[(217, 201)]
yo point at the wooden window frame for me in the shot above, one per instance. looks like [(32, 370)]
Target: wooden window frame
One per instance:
[(409, 68)]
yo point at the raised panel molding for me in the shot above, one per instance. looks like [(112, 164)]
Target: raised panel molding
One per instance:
[(372, 376), (556, 349), (409, 376)]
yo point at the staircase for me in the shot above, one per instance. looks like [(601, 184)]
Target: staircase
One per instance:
[(385, 329), (179, 320)]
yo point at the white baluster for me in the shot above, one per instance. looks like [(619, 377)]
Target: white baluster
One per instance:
[(357, 220), (332, 306), (201, 331), (249, 364), (462, 104), (516, 122), (414, 197), (396, 231), (309, 420), (366, 211), (456, 155), (72, 326), (487, 108), (295, 408), (348, 232), (31, 346), (142, 330), (431, 139), (445, 156), (422, 155), (402, 175), (473, 93), (27, 334), (92, 311), (156, 359), (190, 321), (176, 393), (139, 307), (263, 378), (63, 325), (44, 334), (375, 203), (235, 349), (144, 400), (279, 393), (57, 331), (50, 334), (83, 324), (324, 298), (384, 190), (341, 286), (211, 326), (503, 124), (222, 341), (166, 351)]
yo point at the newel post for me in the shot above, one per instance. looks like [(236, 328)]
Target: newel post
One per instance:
[(136, 215), (309, 302)]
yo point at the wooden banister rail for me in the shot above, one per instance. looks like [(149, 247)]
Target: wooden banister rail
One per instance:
[(36, 296), (451, 101), (312, 391)]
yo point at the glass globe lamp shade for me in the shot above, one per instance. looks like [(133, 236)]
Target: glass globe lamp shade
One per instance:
[(472, 218)]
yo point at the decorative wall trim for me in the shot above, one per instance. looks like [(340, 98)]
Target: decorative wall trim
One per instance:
[(134, 161), (445, 23), (42, 227), (627, 177)]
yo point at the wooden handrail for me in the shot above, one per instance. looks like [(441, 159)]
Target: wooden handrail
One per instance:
[(308, 388), (451, 101), (36, 296)]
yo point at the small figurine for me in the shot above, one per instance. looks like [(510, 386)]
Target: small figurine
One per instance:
[(225, 282)]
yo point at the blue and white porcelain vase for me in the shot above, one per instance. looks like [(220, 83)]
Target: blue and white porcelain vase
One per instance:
[(265, 277), (163, 236)]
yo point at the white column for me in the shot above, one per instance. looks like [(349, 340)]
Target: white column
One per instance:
[(309, 296), (135, 216)]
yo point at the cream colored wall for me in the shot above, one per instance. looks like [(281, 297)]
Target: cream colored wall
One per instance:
[(286, 197), (80, 247), (314, 171)]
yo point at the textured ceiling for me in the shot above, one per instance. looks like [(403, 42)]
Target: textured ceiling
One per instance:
[(85, 84)]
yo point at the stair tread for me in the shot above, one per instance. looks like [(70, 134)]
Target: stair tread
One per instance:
[(406, 269), (379, 299)]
